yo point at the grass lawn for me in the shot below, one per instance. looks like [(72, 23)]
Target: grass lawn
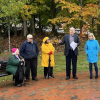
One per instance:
[(60, 64)]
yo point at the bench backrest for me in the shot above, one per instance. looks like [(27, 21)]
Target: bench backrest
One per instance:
[(3, 65)]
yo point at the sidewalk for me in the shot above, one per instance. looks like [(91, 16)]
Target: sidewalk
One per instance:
[(54, 89)]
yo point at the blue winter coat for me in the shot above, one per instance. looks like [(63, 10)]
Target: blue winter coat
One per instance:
[(92, 50), (29, 50)]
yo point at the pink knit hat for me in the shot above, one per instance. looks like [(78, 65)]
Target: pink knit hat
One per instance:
[(14, 50)]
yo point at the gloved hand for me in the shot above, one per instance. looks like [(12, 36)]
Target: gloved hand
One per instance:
[(50, 52)]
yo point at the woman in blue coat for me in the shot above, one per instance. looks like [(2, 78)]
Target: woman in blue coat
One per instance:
[(92, 50)]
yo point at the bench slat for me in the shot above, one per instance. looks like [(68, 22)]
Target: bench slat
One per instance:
[(3, 68), (3, 64), (4, 74)]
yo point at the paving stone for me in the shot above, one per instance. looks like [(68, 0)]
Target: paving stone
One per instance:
[(54, 89), (5, 90)]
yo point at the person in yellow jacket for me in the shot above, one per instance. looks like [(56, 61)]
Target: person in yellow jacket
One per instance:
[(47, 57)]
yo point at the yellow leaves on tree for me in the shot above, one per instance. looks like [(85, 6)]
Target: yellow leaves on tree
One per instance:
[(90, 15), (71, 6), (90, 10), (26, 12), (70, 13)]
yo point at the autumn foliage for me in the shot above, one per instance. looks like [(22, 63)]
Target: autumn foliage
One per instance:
[(71, 14)]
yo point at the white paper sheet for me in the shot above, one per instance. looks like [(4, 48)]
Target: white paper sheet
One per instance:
[(73, 45)]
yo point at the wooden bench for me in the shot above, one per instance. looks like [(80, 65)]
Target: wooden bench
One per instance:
[(3, 65)]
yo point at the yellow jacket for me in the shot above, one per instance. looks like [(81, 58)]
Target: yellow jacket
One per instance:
[(46, 48)]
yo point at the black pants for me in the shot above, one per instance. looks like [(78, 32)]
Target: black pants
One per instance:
[(31, 64), (73, 57), (46, 71), (17, 81)]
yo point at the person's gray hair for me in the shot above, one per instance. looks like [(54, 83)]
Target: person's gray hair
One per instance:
[(72, 28), (29, 36)]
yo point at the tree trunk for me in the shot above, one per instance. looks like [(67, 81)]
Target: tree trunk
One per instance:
[(53, 29), (40, 30), (81, 22), (33, 25), (9, 35), (98, 29), (98, 25), (81, 25), (25, 27), (53, 11), (15, 30), (3, 26), (92, 26)]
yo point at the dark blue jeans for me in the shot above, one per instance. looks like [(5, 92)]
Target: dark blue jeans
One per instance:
[(96, 68)]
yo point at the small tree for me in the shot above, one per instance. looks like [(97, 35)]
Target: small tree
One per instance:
[(10, 10)]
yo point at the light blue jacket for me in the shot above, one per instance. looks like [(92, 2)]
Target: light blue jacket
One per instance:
[(92, 50)]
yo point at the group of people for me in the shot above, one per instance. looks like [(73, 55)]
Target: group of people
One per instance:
[(29, 51)]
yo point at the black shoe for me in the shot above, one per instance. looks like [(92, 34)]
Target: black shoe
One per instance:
[(52, 76), (23, 83), (67, 78), (19, 85), (96, 76), (35, 79), (75, 77), (26, 80), (91, 77), (45, 77)]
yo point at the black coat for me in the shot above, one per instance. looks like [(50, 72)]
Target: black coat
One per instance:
[(21, 70), (67, 44)]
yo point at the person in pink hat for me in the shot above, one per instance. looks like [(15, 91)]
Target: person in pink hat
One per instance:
[(13, 66)]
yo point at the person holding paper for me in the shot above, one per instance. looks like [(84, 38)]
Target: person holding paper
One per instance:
[(70, 53), (92, 50), (73, 46)]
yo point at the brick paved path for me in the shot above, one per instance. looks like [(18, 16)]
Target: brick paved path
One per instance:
[(54, 89)]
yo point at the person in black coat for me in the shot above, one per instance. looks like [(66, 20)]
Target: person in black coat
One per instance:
[(29, 51), (70, 53)]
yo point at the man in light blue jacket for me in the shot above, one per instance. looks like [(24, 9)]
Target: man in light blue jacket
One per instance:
[(92, 50)]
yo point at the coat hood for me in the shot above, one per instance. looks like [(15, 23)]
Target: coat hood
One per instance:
[(45, 39)]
